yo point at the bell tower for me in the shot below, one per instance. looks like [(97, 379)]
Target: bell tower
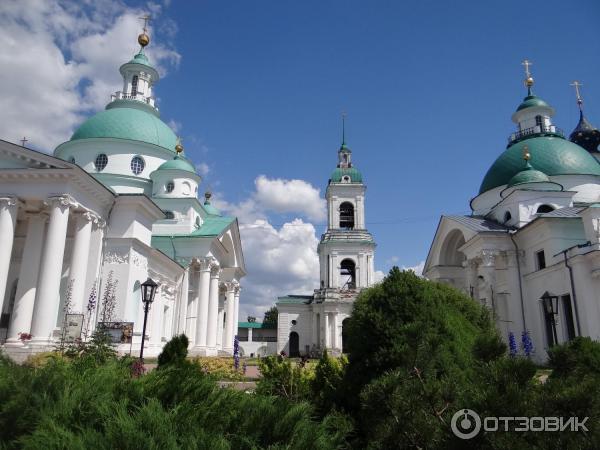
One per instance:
[(346, 250)]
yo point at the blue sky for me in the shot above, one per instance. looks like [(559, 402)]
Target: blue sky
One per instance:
[(256, 90), (429, 87)]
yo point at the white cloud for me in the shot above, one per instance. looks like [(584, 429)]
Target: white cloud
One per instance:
[(284, 196), (379, 276), (418, 268), (392, 261), (202, 169), (280, 261), (60, 63)]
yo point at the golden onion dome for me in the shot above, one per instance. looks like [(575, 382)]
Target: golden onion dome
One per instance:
[(143, 39)]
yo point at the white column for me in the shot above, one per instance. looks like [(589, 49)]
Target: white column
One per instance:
[(250, 335), (28, 278), (336, 334), (327, 333), (203, 288), (192, 309), (8, 221), (220, 328), (47, 297), (230, 316), (213, 309), (79, 260), (183, 301), (236, 316)]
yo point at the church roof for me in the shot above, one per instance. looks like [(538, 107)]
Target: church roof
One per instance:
[(531, 101), (212, 226), (140, 58), (339, 173), (586, 135), (553, 155), (478, 223), (177, 163), (127, 123), (265, 326)]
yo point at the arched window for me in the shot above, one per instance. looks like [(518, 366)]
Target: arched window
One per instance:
[(100, 162), (137, 165), (507, 216), (348, 274), (294, 345), (134, 85), (347, 216), (170, 187), (544, 209), (169, 215), (539, 121)]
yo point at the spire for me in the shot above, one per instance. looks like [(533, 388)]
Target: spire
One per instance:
[(143, 38), (344, 130), (576, 84), (528, 78)]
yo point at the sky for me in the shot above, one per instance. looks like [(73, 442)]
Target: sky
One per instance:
[(256, 89)]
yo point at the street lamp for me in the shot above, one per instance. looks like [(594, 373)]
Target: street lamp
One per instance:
[(148, 291), (550, 304)]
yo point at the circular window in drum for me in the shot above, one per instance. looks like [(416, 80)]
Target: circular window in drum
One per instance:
[(169, 215), (137, 165), (170, 186), (100, 162)]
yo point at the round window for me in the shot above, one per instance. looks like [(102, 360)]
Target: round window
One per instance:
[(170, 186), (137, 165), (169, 215), (100, 162), (72, 160)]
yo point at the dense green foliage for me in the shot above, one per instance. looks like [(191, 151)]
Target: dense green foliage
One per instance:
[(421, 351), (81, 404), (284, 378), (270, 318), (174, 352)]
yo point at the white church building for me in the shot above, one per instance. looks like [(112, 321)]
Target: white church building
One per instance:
[(534, 232), (116, 204), (311, 323)]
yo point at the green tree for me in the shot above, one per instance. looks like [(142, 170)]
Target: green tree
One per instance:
[(270, 318), (325, 385), (174, 352)]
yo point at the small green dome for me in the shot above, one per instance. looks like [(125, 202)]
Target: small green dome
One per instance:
[(127, 123), (552, 156), (532, 100), (211, 210), (339, 173), (528, 175), (177, 163), (140, 58)]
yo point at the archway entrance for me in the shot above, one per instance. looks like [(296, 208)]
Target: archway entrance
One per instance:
[(294, 345)]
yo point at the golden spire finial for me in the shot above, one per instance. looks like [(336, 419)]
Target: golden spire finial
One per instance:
[(576, 84), (528, 77), (143, 38), (178, 146), (526, 154)]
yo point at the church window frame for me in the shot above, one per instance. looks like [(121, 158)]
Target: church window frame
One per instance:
[(348, 269), (137, 165), (100, 162), (170, 186), (169, 215), (347, 219), (507, 216), (544, 209), (134, 85), (540, 259)]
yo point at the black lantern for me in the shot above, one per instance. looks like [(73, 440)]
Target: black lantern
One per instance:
[(550, 302), (148, 292), (550, 305)]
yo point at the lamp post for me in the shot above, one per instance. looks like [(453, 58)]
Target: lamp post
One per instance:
[(148, 291), (550, 304)]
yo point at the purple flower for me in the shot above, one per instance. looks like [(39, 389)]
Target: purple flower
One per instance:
[(512, 344)]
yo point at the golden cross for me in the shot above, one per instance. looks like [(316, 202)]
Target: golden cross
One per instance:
[(146, 19), (577, 85), (527, 63)]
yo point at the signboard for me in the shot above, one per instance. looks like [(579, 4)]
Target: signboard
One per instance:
[(73, 327), (119, 332)]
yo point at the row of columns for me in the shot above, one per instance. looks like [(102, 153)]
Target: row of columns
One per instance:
[(37, 299), (206, 304), (330, 323)]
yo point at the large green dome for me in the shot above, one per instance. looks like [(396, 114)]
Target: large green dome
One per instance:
[(127, 123), (551, 155)]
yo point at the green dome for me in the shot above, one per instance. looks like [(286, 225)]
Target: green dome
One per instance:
[(127, 123), (528, 175), (140, 58), (551, 155), (532, 100), (177, 164), (339, 173)]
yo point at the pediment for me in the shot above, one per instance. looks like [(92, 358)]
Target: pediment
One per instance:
[(16, 157)]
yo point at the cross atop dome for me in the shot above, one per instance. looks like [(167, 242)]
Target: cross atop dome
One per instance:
[(584, 134), (528, 78)]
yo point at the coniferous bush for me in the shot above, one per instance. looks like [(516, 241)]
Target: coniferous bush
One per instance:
[(174, 352)]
